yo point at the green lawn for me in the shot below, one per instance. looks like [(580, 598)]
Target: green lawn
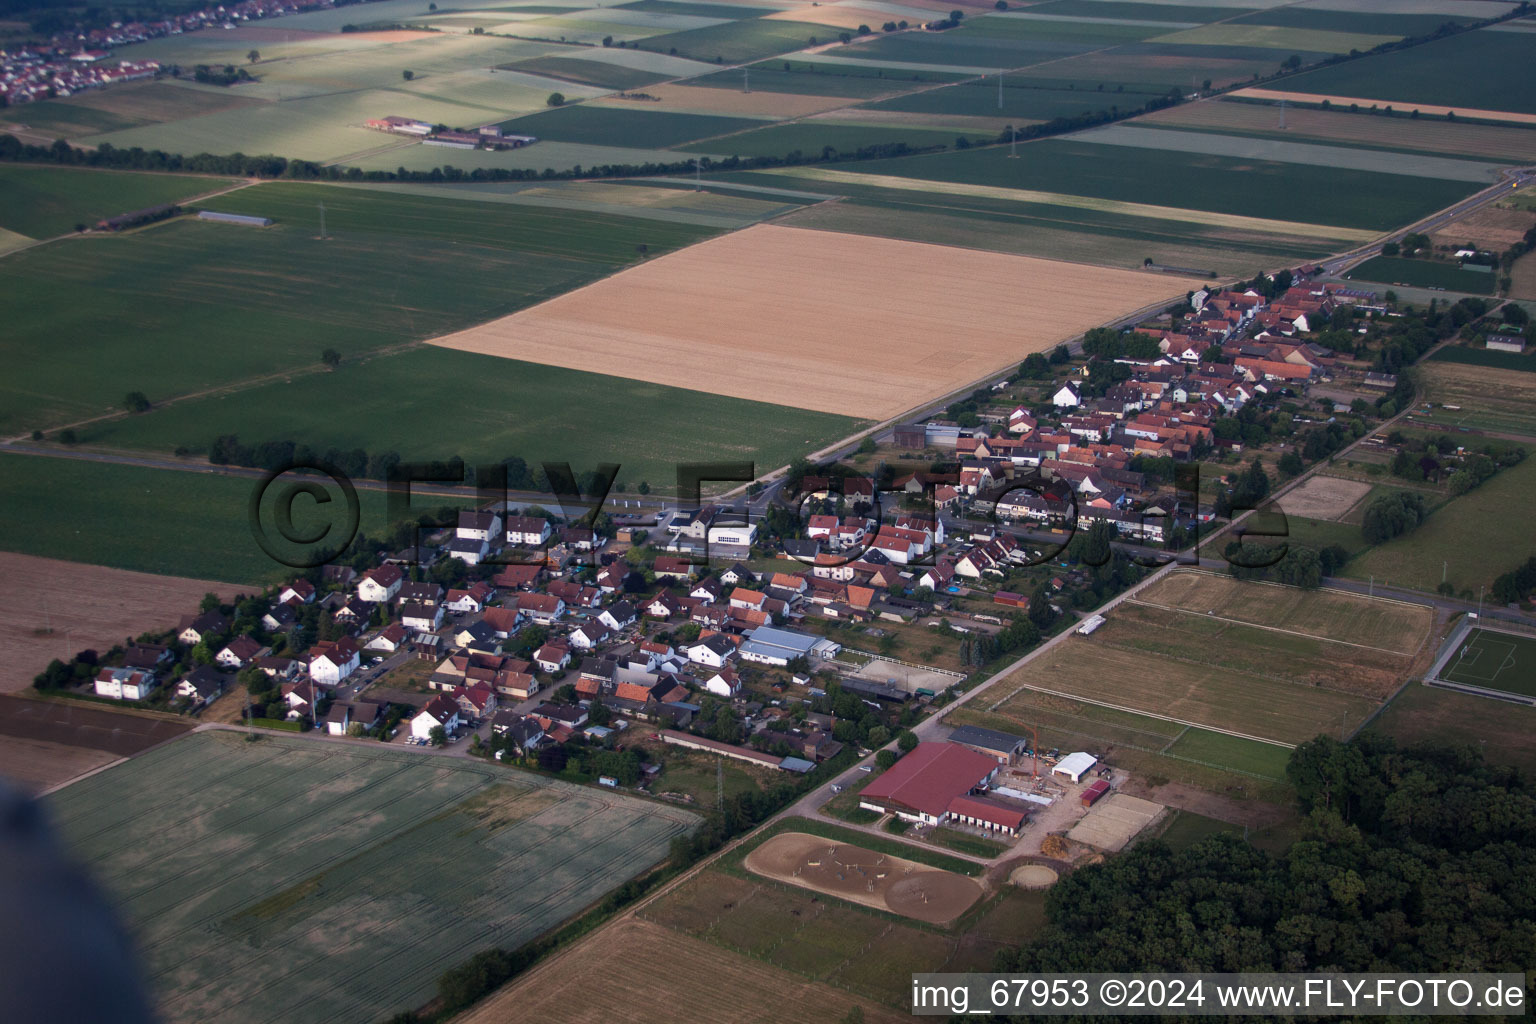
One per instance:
[(185, 306), (1424, 274), (1220, 184), (154, 520), (1472, 539), (634, 124), (1434, 74), (1495, 661), (740, 41), (1262, 759), (1483, 357), (45, 201), (964, 842)]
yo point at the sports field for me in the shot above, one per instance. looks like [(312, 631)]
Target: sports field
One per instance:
[(378, 868), (45, 201), (1439, 274), (813, 320), (1391, 626), (1494, 660)]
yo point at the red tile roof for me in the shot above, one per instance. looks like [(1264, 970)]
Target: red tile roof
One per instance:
[(930, 777)]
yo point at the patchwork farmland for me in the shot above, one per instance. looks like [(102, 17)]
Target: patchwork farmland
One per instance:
[(717, 318), (380, 868)]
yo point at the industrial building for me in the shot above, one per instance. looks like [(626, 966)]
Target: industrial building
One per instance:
[(944, 782)]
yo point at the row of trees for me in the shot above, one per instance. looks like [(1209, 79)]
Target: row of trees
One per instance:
[(1514, 585), (1410, 860)]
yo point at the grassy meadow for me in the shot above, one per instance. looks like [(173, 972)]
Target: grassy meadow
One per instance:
[(41, 202)]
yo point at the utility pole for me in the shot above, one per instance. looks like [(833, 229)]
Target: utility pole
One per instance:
[(322, 220), (1480, 602), (746, 81), (999, 90)]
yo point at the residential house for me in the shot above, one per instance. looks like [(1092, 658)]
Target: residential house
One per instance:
[(421, 618), (711, 651), (193, 628), (380, 585), (332, 661), (470, 599), (543, 608), (527, 531), (389, 639), (440, 711), (125, 683), (552, 657), (238, 653), (619, 615), (202, 685), (482, 526)]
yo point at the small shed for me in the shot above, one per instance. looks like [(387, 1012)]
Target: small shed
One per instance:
[(1075, 765), (1093, 792)]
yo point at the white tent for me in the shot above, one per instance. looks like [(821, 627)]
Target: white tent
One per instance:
[(1075, 766)]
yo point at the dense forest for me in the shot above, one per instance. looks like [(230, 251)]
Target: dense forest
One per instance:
[(1410, 860)]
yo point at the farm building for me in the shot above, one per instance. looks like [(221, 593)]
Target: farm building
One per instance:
[(1006, 748), (400, 125), (1093, 792), (1090, 624), (234, 218), (1506, 343), (938, 782), (1075, 766), (772, 646), (878, 691), (1009, 598)]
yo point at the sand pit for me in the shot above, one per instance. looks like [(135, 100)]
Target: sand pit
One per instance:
[(849, 324), (1323, 497), (1033, 876), (1114, 821), (863, 876), (1428, 108)]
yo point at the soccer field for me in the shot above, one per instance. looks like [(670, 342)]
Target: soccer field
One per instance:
[(1494, 661), (370, 870)]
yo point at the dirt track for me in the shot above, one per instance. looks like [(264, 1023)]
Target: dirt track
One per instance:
[(850, 324), (863, 876)]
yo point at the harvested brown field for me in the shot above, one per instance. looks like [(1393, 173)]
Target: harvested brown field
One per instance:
[(700, 99), (849, 324), (48, 742), (1523, 278), (1344, 101), (1486, 397), (834, 15), (1323, 497), (876, 880), (566, 988), (1490, 227), (37, 766), (52, 609), (1474, 140)]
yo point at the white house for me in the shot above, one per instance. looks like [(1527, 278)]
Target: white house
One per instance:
[(1066, 397), (421, 618), (552, 657), (589, 636), (439, 711), (125, 683), (377, 586), (389, 639), (737, 535), (238, 653), (333, 661), (527, 530), (618, 616), (484, 526), (711, 652), (724, 683)]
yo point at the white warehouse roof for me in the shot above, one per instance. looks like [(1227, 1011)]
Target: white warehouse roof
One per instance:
[(1075, 765)]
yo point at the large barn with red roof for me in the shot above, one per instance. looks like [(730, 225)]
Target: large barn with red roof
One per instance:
[(935, 783)]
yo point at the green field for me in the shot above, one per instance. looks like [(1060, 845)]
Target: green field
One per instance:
[(811, 137), (1022, 99), (1434, 74), (807, 78), (1262, 759), (378, 869), (1351, 21), (1424, 274), (433, 403), (589, 72), (162, 521), (1525, 361), (1131, 11), (969, 46), (1469, 539), (1495, 660), (630, 125), (45, 201), (739, 41), (185, 306), (1256, 188), (1431, 715)]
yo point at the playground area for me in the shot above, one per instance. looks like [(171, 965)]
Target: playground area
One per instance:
[(862, 876)]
